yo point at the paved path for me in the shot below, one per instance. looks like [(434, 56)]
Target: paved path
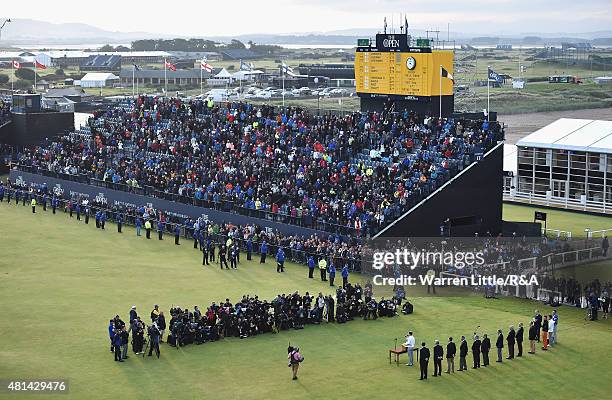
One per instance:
[(521, 125)]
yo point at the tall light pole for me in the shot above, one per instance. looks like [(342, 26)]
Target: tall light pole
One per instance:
[(2, 26)]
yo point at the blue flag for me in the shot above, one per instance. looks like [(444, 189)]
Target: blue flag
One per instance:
[(493, 76)]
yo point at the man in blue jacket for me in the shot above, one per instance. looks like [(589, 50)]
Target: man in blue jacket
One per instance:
[(263, 249), (138, 225), (177, 234), (111, 334), (54, 203), (311, 266), (160, 230), (280, 260), (102, 218), (345, 274), (332, 273), (117, 344)]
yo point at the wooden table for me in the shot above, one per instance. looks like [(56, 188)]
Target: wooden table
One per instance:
[(397, 352)]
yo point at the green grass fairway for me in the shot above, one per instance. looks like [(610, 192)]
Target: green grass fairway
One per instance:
[(559, 219), (61, 281)]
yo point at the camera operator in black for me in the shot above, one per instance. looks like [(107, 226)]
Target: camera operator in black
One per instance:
[(370, 309), (153, 340), (138, 335)]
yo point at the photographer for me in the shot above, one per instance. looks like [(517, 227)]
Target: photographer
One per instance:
[(153, 334), (295, 358)]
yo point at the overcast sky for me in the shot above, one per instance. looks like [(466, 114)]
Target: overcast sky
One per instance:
[(221, 18)]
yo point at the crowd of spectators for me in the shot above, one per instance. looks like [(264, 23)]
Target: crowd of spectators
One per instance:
[(356, 172)]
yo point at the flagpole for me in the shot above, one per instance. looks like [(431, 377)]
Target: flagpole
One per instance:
[(440, 92), (488, 94), (283, 71), (12, 77), (201, 86), (35, 71), (165, 78)]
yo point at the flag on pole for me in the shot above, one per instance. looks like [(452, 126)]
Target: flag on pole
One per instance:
[(286, 69), (493, 76), (170, 66), (16, 64), (206, 66), (445, 74), (38, 65), (246, 66), (136, 67)]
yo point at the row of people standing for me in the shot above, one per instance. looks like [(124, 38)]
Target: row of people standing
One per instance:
[(481, 347)]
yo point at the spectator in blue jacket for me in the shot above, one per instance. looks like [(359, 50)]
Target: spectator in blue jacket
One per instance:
[(280, 260), (345, 274), (102, 219), (332, 274), (160, 230), (111, 334), (117, 344), (311, 266), (263, 249), (177, 234), (138, 226)]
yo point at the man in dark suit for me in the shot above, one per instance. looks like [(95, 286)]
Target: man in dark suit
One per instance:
[(538, 323), (438, 353), (463, 350), (511, 338), (485, 346), (451, 350), (499, 344), (424, 360), (519, 340), (476, 351)]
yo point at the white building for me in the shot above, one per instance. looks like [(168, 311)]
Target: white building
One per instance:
[(99, 79), (567, 164)]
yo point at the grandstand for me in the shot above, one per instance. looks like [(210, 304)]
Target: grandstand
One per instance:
[(354, 175)]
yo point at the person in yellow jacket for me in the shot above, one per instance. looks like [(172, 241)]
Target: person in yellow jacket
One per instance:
[(148, 229), (33, 202), (323, 269)]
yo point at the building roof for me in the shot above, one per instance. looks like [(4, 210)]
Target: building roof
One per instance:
[(102, 61), (99, 76), (159, 73), (62, 92), (572, 134), (243, 54)]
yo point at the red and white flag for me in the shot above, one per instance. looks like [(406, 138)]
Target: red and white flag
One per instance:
[(16, 64), (206, 66), (170, 66), (39, 65)]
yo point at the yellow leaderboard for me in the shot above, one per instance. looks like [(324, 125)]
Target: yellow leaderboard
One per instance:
[(403, 73)]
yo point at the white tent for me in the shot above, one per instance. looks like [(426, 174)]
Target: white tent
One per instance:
[(98, 79), (247, 75)]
